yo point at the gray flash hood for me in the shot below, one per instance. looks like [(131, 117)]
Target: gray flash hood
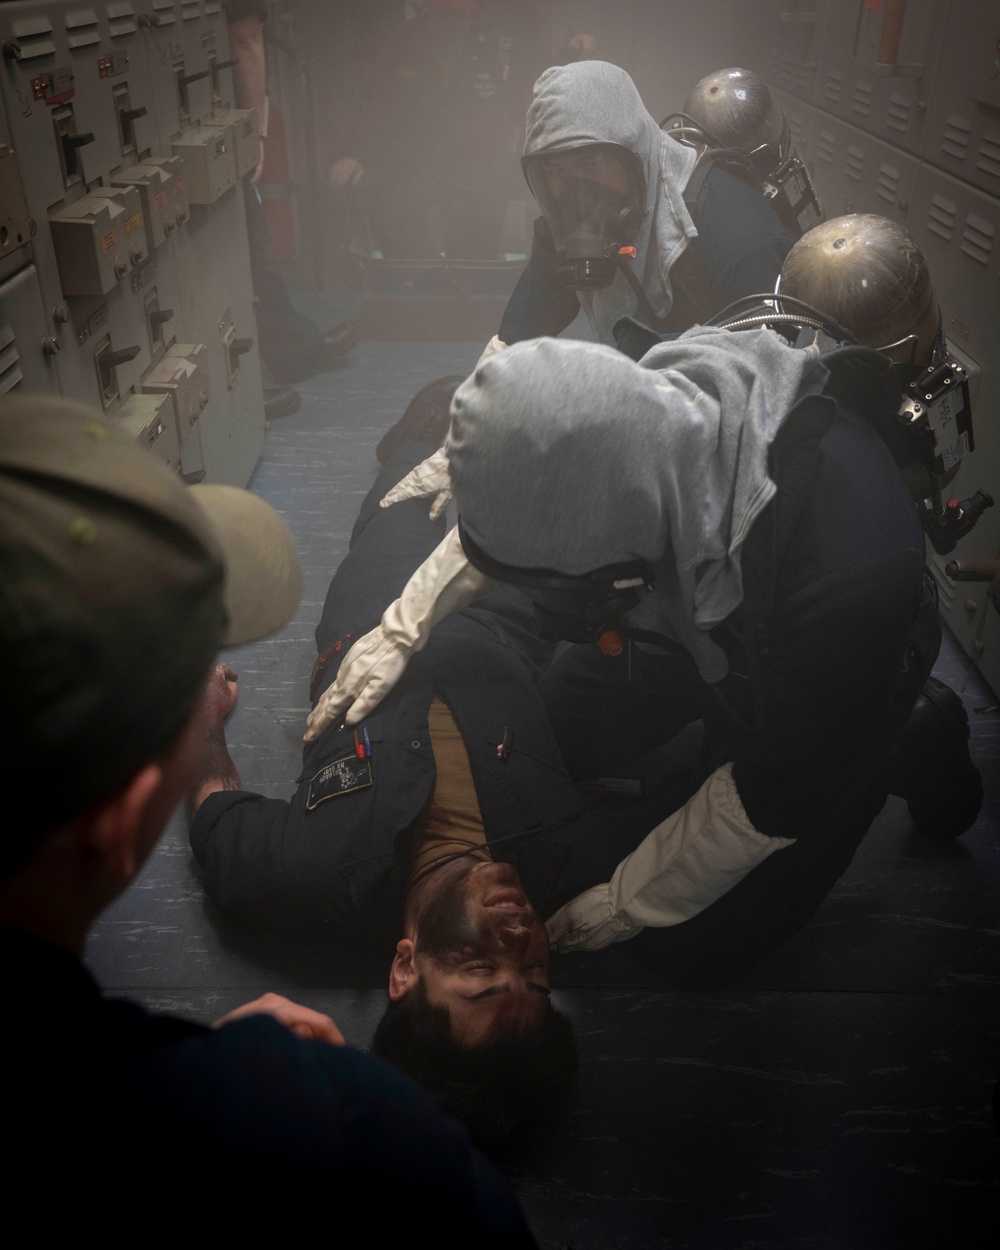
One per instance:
[(568, 455), (594, 102)]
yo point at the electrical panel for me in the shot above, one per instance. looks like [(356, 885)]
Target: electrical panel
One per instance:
[(158, 195), (149, 419), (97, 240), (28, 350), (15, 223), (182, 375), (243, 134), (209, 158), (122, 224)]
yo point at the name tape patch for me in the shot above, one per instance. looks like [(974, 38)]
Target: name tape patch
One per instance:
[(339, 777)]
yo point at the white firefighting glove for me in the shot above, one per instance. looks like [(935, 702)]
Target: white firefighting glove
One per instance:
[(445, 583), (431, 479), (687, 862)]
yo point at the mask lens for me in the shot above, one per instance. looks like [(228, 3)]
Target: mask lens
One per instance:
[(591, 197), (592, 170)]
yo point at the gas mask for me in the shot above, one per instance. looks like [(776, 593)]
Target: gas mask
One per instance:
[(570, 607), (592, 199)]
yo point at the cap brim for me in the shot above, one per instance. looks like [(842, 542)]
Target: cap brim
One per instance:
[(263, 575)]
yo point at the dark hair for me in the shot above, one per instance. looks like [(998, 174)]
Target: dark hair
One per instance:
[(504, 1090)]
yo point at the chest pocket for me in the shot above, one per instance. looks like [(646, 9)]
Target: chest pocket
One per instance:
[(340, 763)]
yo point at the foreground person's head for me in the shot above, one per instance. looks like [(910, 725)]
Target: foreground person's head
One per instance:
[(469, 1015), (118, 584)]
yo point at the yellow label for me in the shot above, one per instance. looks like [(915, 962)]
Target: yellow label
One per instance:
[(160, 202), (109, 240), (132, 222), (179, 187)]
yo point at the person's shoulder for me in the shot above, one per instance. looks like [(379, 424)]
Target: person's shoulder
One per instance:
[(743, 240), (732, 197), (858, 490), (285, 1092), (334, 1126), (299, 1129)]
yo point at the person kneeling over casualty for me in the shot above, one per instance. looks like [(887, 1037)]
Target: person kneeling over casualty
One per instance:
[(724, 535)]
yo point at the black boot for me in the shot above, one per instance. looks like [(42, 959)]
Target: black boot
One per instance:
[(932, 769)]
